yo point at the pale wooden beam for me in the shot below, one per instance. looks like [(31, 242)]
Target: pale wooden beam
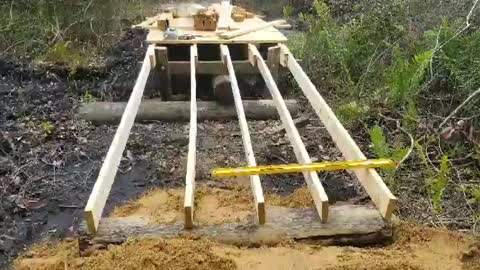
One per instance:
[(316, 189), (247, 144), (369, 178), (273, 61), (192, 146), (225, 16), (103, 185), (245, 31)]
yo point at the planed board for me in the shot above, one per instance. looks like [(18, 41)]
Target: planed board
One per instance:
[(369, 178), (356, 225), (313, 182), (192, 145), (247, 143), (101, 189)]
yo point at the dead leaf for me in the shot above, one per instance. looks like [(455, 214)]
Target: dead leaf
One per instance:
[(31, 204)]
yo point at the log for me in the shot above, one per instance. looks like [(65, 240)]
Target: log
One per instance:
[(155, 110), (356, 225)]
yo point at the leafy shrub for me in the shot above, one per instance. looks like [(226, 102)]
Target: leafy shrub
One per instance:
[(351, 111), (64, 53), (287, 11)]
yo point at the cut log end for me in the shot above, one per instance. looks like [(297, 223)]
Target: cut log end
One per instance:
[(222, 90)]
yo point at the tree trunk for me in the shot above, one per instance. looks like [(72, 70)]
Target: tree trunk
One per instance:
[(154, 110)]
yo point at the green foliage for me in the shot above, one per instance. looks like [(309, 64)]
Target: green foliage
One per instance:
[(438, 183), (88, 98), (406, 76), (32, 27), (382, 149), (287, 11), (64, 53), (296, 44), (380, 146), (351, 111), (475, 193), (437, 179), (47, 127)]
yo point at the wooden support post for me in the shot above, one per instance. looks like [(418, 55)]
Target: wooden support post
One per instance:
[(247, 144), (192, 146), (162, 68), (318, 193), (103, 185), (369, 178), (273, 60)]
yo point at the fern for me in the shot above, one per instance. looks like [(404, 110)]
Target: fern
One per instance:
[(406, 76), (438, 183), (380, 147)]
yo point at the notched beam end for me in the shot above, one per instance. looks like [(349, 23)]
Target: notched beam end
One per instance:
[(188, 217), (391, 206), (284, 54), (151, 56), (252, 57), (91, 224), (261, 213)]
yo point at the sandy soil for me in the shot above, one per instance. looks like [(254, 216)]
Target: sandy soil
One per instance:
[(415, 247)]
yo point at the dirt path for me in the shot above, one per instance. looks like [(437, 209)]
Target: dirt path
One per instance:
[(415, 247)]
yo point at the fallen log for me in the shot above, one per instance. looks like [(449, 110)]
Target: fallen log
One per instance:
[(356, 225), (155, 110)]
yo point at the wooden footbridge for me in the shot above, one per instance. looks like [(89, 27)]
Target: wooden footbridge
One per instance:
[(250, 46)]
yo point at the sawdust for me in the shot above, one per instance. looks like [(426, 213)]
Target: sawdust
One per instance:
[(160, 206), (175, 254), (300, 198), (212, 206)]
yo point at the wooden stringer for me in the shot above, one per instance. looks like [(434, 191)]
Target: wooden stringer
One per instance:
[(278, 56)]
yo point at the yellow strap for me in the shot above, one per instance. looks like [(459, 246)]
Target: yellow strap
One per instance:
[(298, 168)]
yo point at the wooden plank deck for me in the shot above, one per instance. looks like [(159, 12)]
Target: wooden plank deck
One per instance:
[(185, 26)]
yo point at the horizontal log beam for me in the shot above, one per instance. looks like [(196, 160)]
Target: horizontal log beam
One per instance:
[(357, 225), (210, 67), (154, 110)]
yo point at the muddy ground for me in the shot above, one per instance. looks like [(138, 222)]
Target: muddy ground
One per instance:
[(49, 159)]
